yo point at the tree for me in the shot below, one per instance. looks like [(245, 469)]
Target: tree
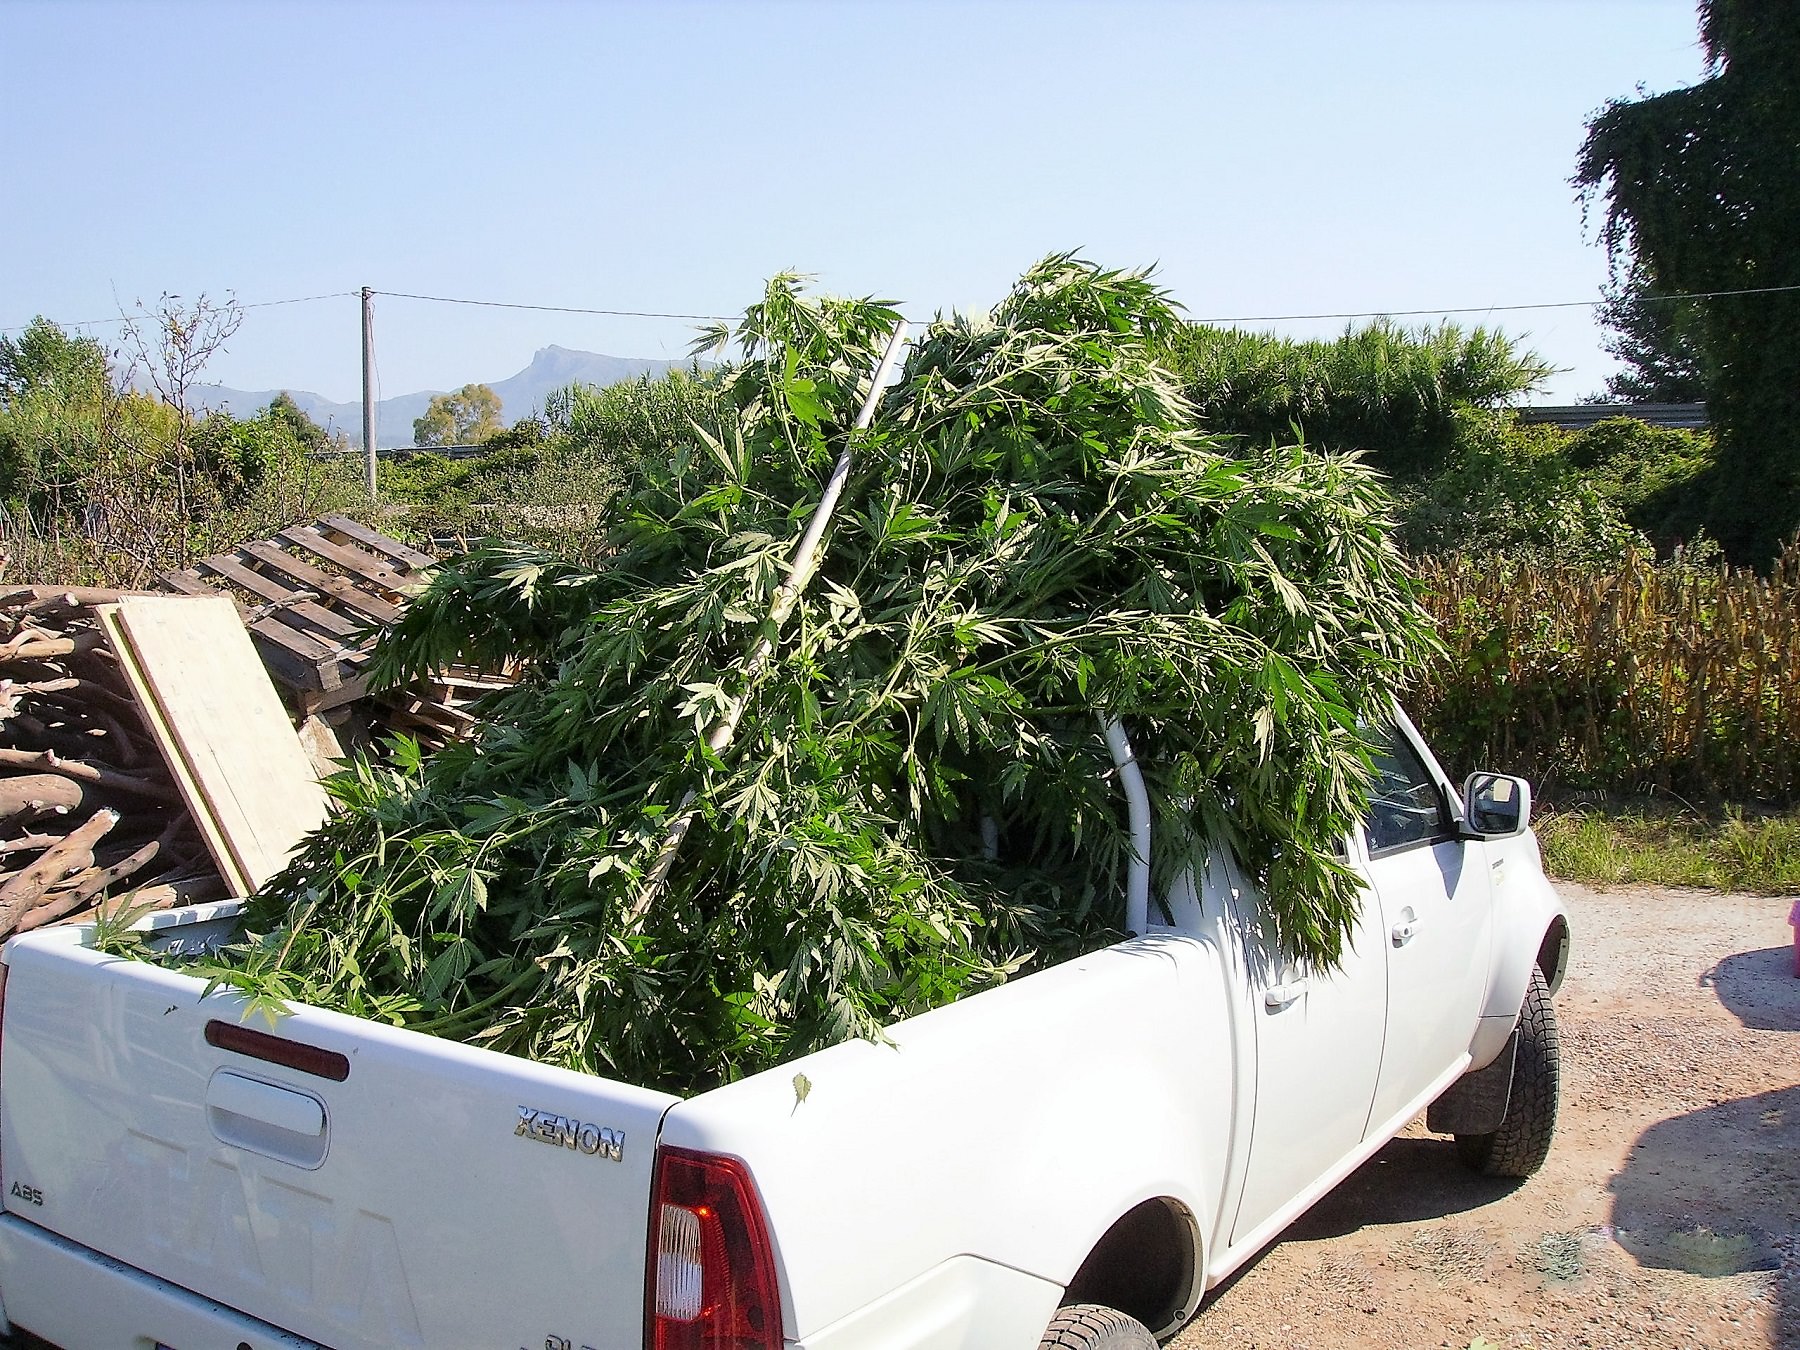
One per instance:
[(1657, 338), (467, 417), (310, 436), (1702, 193), (56, 390), (172, 342), (45, 357)]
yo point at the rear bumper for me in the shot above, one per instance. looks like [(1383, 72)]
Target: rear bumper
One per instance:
[(74, 1297)]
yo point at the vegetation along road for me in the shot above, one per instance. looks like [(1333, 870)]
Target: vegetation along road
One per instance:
[(1669, 1212)]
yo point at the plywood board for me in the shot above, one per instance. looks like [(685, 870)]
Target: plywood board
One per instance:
[(216, 718)]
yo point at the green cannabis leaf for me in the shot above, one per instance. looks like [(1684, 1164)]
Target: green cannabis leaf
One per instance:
[(918, 802)]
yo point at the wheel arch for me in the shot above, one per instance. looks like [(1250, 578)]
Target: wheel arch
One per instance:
[(1531, 929), (1553, 952), (1149, 1263)]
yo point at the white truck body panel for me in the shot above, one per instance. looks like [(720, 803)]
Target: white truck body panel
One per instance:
[(888, 1143), (1318, 1041), (76, 1297)]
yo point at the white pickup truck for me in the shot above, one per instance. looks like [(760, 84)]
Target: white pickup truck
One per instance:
[(1069, 1160)]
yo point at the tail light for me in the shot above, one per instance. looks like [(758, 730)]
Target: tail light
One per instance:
[(710, 1284)]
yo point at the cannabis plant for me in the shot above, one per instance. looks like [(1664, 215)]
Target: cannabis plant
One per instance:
[(917, 801)]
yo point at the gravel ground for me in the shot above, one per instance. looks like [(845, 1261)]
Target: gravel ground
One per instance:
[(1668, 1214)]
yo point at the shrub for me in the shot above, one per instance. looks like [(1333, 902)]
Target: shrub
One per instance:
[(1509, 493), (1394, 394), (1659, 478), (550, 480)]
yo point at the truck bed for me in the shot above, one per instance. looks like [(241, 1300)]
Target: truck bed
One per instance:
[(352, 1184)]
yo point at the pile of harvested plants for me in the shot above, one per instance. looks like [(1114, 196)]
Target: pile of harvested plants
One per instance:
[(917, 801), (88, 811)]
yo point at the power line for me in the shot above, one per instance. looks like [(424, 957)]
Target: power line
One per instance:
[(556, 309), (1251, 318), (301, 300), (129, 318), (1498, 309), (729, 318)]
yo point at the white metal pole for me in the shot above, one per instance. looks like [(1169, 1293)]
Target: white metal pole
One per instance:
[(1137, 806), (368, 409), (801, 567)]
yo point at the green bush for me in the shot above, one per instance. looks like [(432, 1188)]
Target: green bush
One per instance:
[(1659, 478), (107, 486), (1394, 394), (638, 417), (1509, 493), (550, 480)]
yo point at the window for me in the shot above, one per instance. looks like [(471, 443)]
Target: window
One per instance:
[(1406, 806)]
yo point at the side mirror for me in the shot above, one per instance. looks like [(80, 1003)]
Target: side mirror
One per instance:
[(1496, 805)]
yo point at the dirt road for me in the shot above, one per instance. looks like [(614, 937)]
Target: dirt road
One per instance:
[(1668, 1214)]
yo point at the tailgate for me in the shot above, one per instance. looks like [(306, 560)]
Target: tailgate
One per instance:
[(355, 1184)]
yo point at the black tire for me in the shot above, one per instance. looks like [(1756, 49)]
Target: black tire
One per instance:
[(1518, 1148), (1088, 1326)]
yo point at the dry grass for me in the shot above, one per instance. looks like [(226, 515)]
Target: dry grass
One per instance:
[(1673, 678), (1451, 1254)]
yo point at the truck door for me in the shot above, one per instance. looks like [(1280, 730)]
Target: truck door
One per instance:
[(1318, 1052), (1436, 919)]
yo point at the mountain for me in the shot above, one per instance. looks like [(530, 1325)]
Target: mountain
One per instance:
[(552, 368)]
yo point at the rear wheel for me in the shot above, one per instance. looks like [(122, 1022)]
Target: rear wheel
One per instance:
[(1518, 1148), (1089, 1326)]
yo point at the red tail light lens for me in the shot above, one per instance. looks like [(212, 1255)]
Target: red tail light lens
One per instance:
[(711, 1278)]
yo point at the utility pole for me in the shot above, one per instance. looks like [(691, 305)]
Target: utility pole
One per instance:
[(368, 325)]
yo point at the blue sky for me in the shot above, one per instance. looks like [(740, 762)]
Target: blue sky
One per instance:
[(1275, 158)]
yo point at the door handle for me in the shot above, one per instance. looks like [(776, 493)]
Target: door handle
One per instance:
[(1280, 996), (1406, 931)]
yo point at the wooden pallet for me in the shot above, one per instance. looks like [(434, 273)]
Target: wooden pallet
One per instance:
[(313, 598), (434, 710)]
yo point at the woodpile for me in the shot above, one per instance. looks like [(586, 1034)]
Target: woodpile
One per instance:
[(89, 813), (437, 709), (138, 772)]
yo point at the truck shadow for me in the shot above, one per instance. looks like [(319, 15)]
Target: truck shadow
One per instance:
[(1758, 988), (1411, 1179), (1408, 1180), (1712, 1193)]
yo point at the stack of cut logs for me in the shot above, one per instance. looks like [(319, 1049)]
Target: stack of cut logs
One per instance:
[(89, 814)]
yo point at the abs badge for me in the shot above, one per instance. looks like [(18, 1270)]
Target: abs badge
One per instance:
[(582, 1136)]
